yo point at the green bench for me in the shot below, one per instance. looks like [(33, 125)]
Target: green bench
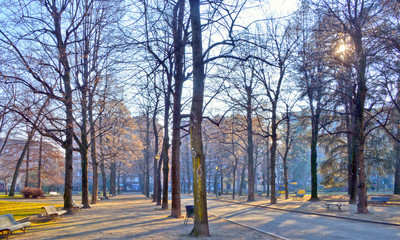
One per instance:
[(9, 225), (379, 200)]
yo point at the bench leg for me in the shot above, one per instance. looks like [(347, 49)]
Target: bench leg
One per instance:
[(339, 207), (8, 233), (327, 206)]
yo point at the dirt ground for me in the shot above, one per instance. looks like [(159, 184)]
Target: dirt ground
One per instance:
[(129, 217), (377, 212)]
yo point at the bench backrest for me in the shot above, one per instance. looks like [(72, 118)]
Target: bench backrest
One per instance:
[(384, 199), (50, 209), (7, 220)]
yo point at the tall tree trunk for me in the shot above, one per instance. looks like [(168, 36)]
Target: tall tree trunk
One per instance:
[(119, 178), (189, 176), (19, 162), (397, 157), (359, 135), (39, 179), (165, 161), (159, 188), (250, 145), (273, 150), (93, 152), (285, 176), (285, 155), (156, 168), (200, 226), (27, 168), (104, 179), (234, 181), (179, 52), (314, 164), (396, 144), (147, 157), (166, 145), (113, 177), (242, 179)]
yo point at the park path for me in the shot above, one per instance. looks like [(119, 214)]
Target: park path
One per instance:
[(128, 216), (294, 225)]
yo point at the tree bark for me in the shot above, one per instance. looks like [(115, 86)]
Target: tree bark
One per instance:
[(359, 135), (93, 151), (19, 162), (39, 179), (164, 154), (397, 157), (113, 177), (179, 52), (242, 178), (27, 167), (273, 150), (250, 145), (200, 226), (314, 164), (156, 168)]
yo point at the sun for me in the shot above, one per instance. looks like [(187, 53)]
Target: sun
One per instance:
[(342, 48)]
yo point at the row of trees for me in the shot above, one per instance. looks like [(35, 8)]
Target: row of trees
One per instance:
[(333, 64)]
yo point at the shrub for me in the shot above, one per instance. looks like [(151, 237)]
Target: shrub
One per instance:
[(32, 192)]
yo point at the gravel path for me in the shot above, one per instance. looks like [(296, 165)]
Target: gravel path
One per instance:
[(130, 217)]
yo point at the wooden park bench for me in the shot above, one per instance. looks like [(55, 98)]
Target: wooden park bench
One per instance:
[(379, 200), (76, 206), (9, 225), (52, 212), (298, 196), (338, 205)]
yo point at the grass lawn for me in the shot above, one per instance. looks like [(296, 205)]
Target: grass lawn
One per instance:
[(3, 196), (22, 209)]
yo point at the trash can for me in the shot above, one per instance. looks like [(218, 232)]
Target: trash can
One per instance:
[(189, 212)]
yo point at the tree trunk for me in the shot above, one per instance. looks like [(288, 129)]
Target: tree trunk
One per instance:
[(159, 182), (200, 226), (274, 138), (113, 177), (119, 178), (165, 161), (156, 174), (314, 164), (222, 181), (93, 152), (39, 179), (102, 167), (179, 52), (359, 136), (189, 183), (27, 168), (242, 179), (396, 146), (104, 179), (397, 157), (147, 157), (165, 146), (19, 162), (285, 177), (234, 181), (250, 145)]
